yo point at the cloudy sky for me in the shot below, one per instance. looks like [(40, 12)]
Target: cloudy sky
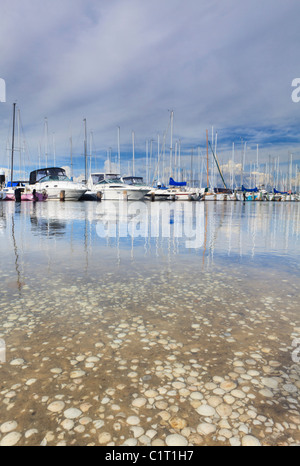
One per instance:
[(221, 64)]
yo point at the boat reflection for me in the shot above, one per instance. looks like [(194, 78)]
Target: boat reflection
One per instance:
[(206, 230)]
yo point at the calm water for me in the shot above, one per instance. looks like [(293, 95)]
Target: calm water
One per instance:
[(173, 298)]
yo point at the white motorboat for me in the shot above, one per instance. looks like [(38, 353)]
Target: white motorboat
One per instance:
[(109, 186), (2, 195), (56, 184)]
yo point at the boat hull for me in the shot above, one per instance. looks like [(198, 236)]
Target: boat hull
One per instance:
[(157, 195), (122, 194), (186, 196), (58, 191), (34, 197), (27, 196), (220, 197), (66, 194)]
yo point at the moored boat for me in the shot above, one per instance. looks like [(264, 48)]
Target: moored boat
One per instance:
[(110, 186), (21, 191), (55, 183)]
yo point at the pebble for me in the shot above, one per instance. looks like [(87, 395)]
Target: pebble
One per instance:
[(104, 438), (67, 424), (133, 420), (77, 374), (130, 442), (139, 402), (10, 439), (206, 429), (8, 426), (17, 362), (176, 440), (72, 413), (228, 385), (30, 381), (31, 432), (224, 410), (270, 383), (266, 392), (98, 423), (56, 406), (250, 441), (238, 393), (178, 423), (206, 410)]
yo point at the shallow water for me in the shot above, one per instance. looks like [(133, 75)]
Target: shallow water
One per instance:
[(149, 323)]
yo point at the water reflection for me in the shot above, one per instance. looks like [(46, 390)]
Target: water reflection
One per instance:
[(89, 233)]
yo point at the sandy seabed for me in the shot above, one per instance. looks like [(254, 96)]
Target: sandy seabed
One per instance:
[(171, 358)]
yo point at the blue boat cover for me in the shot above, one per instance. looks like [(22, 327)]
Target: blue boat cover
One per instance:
[(280, 192), (254, 190), (14, 184), (176, 183)]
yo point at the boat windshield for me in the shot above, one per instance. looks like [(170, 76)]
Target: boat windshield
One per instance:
[(115, 180), (137, 180), (54, 178)]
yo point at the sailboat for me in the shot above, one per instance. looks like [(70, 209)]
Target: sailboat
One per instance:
[(216, 194), (20, 190), (178, 191)]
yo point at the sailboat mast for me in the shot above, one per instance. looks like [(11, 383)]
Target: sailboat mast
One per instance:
[(158, 157), (147, 168), (13, 145), (71, 156), (85, 151), (133, 168), (171, 142), (207, 169), (119, 152), (46, 140)]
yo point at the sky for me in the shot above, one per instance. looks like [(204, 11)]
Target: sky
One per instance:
[(226, 66)]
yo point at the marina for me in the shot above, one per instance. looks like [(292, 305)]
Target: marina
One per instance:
[(143, 323)]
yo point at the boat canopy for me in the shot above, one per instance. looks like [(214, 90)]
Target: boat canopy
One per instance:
[(37, 175), (253, 190), (176, 183), (280, 192)]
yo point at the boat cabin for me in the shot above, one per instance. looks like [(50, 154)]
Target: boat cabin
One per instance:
[(37, 175), (222, 191)]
